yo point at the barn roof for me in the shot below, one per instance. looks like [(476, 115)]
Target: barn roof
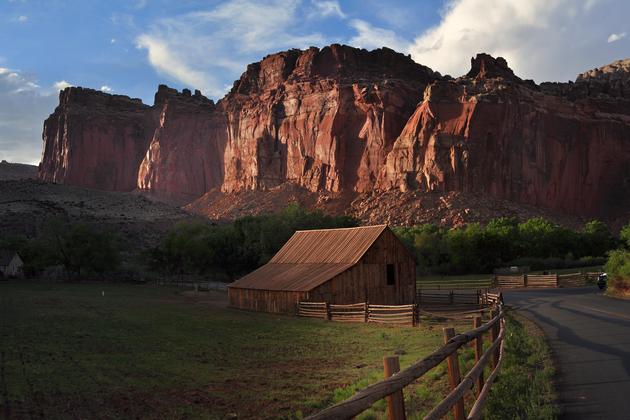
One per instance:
[(311, 258)]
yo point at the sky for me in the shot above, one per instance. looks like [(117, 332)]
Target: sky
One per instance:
[(130, 46)]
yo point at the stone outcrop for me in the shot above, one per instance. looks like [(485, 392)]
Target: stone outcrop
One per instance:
[(96, 140), (343, 120)]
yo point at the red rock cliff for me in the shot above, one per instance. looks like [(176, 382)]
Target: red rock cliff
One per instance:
[(343, 119), (95, 140)]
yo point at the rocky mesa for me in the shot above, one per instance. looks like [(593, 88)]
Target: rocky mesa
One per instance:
[(341, 120)]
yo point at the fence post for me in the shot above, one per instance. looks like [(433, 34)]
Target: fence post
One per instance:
[(524, 280), (557, 280), (450, 297), (478, 352), (454, 375), (366, 309), (494, 334), (328, 316), (395, 401)]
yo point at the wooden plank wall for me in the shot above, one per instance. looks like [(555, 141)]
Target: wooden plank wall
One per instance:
[(265, 300)]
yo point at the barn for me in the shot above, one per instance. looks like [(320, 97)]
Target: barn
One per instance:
[(340, 266), (10, 264)]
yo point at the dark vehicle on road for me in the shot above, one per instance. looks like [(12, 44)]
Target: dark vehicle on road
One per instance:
[(601, 281)]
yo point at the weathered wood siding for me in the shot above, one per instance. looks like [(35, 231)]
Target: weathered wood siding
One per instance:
[(265, 300), (367, 281)]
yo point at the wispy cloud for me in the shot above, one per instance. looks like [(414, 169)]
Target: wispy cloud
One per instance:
[(22, 19), (61, 85), (370, 37), (616, 37), (197, 47), (328, 8), (106, 89)]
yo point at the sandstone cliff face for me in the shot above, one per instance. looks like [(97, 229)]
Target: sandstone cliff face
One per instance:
[(344, 120), (323, 119), (95, 140), (488, 132), (182, 158)]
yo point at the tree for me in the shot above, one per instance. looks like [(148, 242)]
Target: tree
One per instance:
[(597, 239), (81, 248)]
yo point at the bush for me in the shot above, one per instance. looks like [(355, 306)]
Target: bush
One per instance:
[(537, 243)]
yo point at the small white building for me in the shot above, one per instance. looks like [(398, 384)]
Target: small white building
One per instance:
[(10, 264)]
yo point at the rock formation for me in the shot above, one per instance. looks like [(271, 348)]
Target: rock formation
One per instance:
[(344, 120)]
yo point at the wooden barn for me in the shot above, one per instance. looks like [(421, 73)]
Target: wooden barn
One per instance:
[(348, 265)]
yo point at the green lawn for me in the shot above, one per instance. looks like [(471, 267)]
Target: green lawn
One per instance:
[(140, 351)]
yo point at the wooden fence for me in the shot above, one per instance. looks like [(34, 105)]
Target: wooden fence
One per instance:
[(392, 387), (454, 284), (432, 305), (508, 281), (541, 280), (360, 312), (546, 280)]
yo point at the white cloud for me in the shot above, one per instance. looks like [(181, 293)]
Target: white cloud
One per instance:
[(541, 39), (112, 41), (106, 89), (371, 37), (199, 48), (22, 19), (23, 108), (616, 37), (61, 85), (328, 8)]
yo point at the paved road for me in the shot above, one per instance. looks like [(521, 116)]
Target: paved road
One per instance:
[(590, 338)]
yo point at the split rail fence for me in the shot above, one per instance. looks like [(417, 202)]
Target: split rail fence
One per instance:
[(398, 314), (545, 280), (360, 312), (507, 281), (392, 387)]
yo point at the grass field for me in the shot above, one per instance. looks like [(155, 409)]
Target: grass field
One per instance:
[(68, 351)]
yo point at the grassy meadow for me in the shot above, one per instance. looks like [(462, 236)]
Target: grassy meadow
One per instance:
[(138, 351), (97, 350)]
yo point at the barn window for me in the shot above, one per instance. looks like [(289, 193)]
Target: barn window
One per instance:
[(391, 275)]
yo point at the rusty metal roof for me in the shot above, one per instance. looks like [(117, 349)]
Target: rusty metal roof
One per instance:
[(346, 245), (311, 258), (290, 277)]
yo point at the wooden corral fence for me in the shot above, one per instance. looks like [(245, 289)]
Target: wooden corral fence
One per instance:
[(541, 280), (385, 314), (392, 387), (509, 282), (454, 284), (432, 305), (546, 280), (360, 312)]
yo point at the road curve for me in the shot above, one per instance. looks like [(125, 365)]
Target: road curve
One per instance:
[(589, 335)]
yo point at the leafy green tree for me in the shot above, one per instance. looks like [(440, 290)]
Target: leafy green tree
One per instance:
[(597, 239), (81, 248)]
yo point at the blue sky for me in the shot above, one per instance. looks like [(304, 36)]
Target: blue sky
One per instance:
[(129, 47)]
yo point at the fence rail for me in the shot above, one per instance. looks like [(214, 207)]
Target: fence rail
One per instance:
[(392, 387), (400, 314), (509, 281)]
